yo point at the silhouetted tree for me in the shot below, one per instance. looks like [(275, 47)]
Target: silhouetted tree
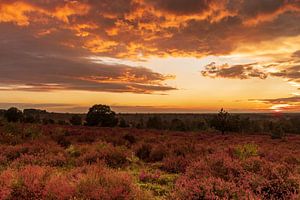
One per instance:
[(101, 115), (221, 122), (76, 120), (13, 115), (155, 122)]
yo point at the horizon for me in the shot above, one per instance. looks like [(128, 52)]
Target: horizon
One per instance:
[(143, 56), (144, 110)]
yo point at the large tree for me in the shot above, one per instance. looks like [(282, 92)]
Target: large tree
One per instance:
[(101, 115), (13, 115)]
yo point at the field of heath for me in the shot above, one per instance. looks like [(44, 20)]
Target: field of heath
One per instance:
[(78, 162)]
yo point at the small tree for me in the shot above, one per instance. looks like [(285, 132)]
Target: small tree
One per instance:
[(101, 115), (76, 120), (13, 115), (221, 121)]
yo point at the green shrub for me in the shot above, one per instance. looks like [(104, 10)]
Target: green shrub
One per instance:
[(32, 132), (246, 151)]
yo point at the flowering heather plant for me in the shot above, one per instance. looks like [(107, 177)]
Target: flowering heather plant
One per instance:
[(172, 165), (59, 187), (6, 181)]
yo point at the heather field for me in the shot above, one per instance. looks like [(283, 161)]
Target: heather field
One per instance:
[(78, 162)]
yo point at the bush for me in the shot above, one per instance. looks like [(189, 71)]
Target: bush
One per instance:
[(207, 188), (130, 138), (76, 120), (157, 153), (175, 164), (32, 132), (59, 137), (13, 115), (143, 152), (245, 151), (116, 158)]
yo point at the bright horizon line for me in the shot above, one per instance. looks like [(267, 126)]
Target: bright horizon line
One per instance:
[(73, 109)]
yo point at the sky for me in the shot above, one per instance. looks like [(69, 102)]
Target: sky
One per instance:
[(151, 55)]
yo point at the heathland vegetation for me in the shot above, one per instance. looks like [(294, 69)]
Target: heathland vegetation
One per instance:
[(104, 155)]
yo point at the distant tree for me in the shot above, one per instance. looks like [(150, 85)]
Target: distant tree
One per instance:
[(177, 125), (13, 115), (76, 120), (221, 122), (140, 124), (29, 118), (123, 123), (155, 122), (101, 115)]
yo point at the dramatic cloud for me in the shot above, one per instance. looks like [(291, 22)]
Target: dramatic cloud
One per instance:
[(178, 7), (47, 45), (33, 64), (287, 69), (236, 71), (126, 28)]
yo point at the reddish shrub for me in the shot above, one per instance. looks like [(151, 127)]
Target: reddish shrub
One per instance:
[(207, 188), (31, 182), (157, 153), (6, 181), (143, 152), (59, 187), (175, 164)]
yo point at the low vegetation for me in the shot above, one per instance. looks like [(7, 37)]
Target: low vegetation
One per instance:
[(53, 161), (63, 162)]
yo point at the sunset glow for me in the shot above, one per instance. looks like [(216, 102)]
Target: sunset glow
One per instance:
[(151, 55)]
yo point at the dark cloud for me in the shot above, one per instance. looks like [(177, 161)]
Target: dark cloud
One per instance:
[(34, 64), (180, 7), (124, 28), (236, 71)]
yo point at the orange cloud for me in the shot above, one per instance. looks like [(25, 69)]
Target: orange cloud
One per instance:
[(70, 8), (129, 28), (17, 12), (267, 17)]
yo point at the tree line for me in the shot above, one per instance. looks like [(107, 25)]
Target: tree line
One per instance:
[(103, 116)]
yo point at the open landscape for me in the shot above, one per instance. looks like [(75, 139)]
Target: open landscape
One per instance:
[(56, 160), (149, 99)]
